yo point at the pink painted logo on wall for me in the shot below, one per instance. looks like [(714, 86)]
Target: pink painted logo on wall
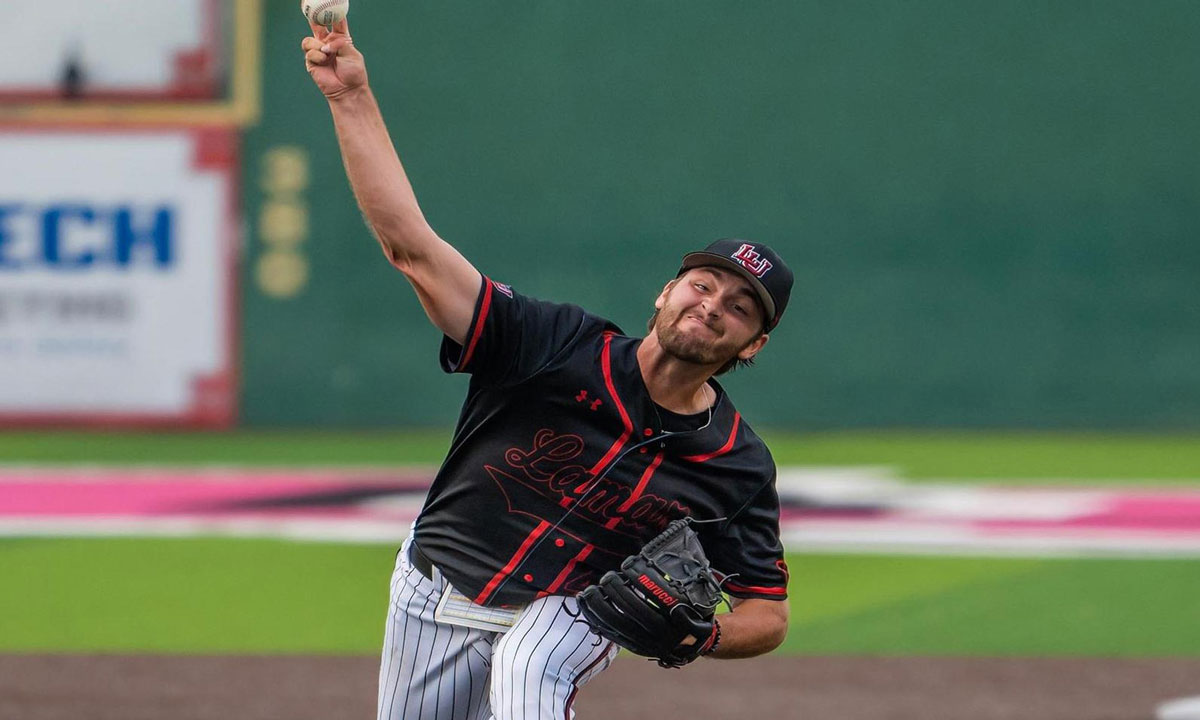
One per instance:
[(747, 255)]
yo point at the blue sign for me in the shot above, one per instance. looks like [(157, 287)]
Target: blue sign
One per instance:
[(77, 236)]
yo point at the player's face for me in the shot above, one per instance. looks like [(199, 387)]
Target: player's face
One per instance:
[(708, 316)]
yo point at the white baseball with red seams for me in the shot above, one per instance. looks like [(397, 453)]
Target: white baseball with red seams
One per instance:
[(325, 12)]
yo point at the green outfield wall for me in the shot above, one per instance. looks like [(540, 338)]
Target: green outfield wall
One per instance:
[(992, 209)]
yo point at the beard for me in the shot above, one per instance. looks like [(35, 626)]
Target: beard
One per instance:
[(691, 348)]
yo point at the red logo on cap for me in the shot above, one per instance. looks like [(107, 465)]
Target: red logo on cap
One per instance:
[(751, 260)]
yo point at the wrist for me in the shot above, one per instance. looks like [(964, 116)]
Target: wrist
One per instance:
[(714, 639), (349, 94)]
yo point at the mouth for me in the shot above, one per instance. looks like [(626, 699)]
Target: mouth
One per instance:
[(698, 321)]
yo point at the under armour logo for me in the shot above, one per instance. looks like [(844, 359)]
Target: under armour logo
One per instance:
[(749, 258), (583, 396)]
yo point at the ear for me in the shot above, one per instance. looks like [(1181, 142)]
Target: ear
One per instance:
[(754, 347), (662, 296)]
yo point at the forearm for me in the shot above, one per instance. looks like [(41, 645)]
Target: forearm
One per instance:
[(446, 283), (377, 178), (751, 628)]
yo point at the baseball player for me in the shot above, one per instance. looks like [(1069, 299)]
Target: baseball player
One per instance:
[(576, 445)]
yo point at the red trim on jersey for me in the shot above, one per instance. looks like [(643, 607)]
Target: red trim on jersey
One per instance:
[(585, 671), (606, 366), (737, 420), (512, 563), (562, 576), (483, 311), (756, 589), (637, 492)]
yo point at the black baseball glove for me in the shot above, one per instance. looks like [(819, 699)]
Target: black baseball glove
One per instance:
[(659, 597)]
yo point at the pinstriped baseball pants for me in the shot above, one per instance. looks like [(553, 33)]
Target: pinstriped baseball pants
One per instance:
[(435, 671)]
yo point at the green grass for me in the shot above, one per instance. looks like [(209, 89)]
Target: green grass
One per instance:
[(194, 595), (971, 606), (218, 595), (243, 596), (916, 455), (299, 448)]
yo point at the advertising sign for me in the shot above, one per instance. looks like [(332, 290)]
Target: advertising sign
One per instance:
[(131, 50), (116, 277)]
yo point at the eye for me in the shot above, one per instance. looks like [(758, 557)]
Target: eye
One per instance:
[(702, 286), (739, 309)]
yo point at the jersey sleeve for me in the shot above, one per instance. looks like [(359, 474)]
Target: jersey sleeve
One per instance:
[(512, 337), (749, 550)]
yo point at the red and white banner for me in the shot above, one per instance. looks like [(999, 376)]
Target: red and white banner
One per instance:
[(117, 253)]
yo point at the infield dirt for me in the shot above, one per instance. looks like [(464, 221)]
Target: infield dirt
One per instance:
[(131, 687)]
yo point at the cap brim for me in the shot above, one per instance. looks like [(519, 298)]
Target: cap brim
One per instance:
[(702, 259)]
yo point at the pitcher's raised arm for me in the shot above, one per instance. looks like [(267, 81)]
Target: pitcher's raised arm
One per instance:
[(446, 283)]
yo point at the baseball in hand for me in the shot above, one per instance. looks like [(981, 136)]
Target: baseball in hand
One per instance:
[(325, 12)]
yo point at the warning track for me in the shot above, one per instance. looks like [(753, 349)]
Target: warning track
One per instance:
[(130, 687)]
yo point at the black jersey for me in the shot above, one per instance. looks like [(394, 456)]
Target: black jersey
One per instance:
[(562, 465)]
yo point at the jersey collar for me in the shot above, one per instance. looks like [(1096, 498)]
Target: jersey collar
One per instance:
[(697, 445)]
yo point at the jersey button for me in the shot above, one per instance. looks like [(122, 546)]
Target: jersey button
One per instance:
[(528, 577), (560, 542)]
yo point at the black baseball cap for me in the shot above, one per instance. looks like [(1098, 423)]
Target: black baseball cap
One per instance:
[(759, 264)]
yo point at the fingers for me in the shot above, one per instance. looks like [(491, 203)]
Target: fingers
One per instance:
[(334, 46), (318, 51), (323, 44), (313, 51), (326, 46)]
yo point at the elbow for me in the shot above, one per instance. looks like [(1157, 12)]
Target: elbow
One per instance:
[(396, 255), (776, 628), (755, 627), (404, 248), (754, 636), (392, 249), (777, 635)]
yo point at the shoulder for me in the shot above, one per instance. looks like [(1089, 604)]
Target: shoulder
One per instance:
[(746, 451), (571, 336), (598, 332), (586, 319), (537, 314), (601, 325), (755, 448), (592, 332)]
